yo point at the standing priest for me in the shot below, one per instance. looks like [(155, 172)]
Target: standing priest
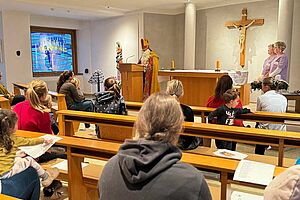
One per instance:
[(149, 60)]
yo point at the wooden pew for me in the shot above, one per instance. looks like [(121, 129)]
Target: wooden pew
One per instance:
[(120, 127), (260, 116), (20, 86), (5, 197), (79, 148), (4, 103)]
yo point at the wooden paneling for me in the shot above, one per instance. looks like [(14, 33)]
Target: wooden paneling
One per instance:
[(199, 85), (132, 81)]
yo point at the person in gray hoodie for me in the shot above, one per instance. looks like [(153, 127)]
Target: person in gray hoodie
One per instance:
[(149, 166)]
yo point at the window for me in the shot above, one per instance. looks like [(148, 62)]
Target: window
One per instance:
[(53, 51)]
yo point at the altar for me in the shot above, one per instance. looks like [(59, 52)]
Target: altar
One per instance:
[(199, 85)]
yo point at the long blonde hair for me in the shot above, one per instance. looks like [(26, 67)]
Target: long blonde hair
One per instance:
[(36, 90), (175, 87), (160, 119)]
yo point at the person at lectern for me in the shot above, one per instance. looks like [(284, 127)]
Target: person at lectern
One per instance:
[(149, 60)]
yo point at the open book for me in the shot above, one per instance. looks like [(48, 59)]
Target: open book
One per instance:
[(38, 150)]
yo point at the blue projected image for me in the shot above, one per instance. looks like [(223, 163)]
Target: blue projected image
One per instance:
[(51, 52)]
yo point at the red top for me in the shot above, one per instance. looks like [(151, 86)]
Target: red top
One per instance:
[(213, 102), (31, 119)]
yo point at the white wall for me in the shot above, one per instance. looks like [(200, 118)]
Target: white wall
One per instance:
[(16, 31), (160, 31), (222, 43), (105, 34), (16, 36), (166, 37)]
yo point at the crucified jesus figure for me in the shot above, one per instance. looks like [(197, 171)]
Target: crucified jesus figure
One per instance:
[(242, 38)]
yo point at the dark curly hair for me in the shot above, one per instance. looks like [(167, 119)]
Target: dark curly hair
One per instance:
[(63, 77), (8, 120)]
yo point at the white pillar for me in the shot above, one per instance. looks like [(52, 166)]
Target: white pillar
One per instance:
[(189, 36), (285, 24)]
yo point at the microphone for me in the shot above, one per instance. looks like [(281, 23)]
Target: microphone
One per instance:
[(129, 57)]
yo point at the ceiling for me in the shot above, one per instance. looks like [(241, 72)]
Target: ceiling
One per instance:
[(99, 9)]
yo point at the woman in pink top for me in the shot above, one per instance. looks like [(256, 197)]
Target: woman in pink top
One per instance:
[(32, 114), (268, 61)]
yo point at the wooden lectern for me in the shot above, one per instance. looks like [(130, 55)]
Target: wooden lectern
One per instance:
[(132, 81)]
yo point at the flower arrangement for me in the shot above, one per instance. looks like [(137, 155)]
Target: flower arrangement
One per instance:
[(256, 85)]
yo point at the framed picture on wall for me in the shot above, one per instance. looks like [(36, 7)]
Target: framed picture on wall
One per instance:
[(53, 51)]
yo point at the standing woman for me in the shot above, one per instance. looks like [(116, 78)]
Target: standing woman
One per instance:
[(175, 88), (32, 114), (74, 100), (279, 65), (224, 83), (268, 61)]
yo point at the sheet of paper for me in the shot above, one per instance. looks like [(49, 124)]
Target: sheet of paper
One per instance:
[(230, 154), (245, 196), (38, 150), (254, 172), (63, 165)]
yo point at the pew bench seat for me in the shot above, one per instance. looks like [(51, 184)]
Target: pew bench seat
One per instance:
[(5, 197), (90, 174)]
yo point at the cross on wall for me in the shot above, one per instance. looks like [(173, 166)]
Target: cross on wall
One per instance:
[(243, 25)]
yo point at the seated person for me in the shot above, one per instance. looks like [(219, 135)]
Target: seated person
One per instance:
[(48, 103), (32, 114), (226, 114), (270, 101), (13, 99), (224, 83), (76, 83), (285, 186), (74, 100), (149, 166), (175, 88), (110, 101), (13, 162)]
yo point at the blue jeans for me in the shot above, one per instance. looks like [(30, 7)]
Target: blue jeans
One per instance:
[(25, 185), (86, 105)]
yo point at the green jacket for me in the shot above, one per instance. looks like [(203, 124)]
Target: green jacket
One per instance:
[(7, 159)]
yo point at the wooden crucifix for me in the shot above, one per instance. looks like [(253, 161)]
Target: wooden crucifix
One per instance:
[(242, 25)]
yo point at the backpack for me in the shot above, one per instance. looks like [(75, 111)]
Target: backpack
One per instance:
[(106, 102)]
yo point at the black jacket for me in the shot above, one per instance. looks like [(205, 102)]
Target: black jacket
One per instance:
[(151, 170), (188, 142), (226, 115)]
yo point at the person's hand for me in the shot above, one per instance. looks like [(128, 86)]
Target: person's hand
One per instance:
[(47, 142)]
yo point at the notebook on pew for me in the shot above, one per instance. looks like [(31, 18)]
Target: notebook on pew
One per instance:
[(254, 172), (245, 196), (63, 165)]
